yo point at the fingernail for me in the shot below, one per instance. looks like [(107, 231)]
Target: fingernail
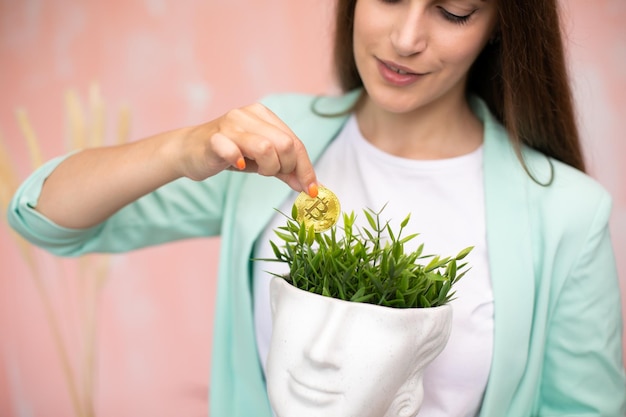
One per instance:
[(241, 164), (313, 190)]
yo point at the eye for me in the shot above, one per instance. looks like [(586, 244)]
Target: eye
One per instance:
[(451, 17)]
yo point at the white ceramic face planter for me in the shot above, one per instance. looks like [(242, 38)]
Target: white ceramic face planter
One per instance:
[(334, 358)]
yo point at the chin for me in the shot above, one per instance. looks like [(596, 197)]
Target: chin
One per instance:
[(396, 104), (394, 100)]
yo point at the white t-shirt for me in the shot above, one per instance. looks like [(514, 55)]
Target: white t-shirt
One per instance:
[(446, 200)]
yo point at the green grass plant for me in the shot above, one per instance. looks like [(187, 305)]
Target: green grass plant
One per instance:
[(366, 264)]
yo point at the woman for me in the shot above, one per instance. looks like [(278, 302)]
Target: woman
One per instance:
[(457, 111)]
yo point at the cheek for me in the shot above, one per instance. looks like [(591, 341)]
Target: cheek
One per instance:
[(461, 50), (379, 357), (288, 335), (373, 382), (359, 40), (367, 30)]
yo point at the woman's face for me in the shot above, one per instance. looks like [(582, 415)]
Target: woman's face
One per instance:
[(411, 53)]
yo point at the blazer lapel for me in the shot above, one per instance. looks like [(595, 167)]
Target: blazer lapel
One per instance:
[(510, 260)]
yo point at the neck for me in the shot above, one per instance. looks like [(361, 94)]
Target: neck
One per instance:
[(445, 128)]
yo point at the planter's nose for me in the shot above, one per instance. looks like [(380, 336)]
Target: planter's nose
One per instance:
[(325, 349)]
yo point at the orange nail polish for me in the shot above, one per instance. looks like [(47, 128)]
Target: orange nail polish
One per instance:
[(241, 164), (313, 190)]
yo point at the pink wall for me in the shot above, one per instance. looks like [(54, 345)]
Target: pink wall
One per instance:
[(145, 317)]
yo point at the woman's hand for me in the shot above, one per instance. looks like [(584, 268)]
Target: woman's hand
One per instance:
[(251, 139), (89, 186)]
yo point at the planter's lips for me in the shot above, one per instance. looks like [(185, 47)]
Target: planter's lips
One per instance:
[(316, 393)]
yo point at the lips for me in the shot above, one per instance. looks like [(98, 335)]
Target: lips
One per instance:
[(398, 68), (397, 75), (313, 393)]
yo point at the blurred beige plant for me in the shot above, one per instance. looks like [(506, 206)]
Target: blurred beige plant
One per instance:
[(86, 129)]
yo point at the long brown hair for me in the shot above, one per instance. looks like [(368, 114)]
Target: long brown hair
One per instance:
[(521, 74)]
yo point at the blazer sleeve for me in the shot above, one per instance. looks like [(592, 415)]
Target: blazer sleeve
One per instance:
[(583, 371), (178, 210)]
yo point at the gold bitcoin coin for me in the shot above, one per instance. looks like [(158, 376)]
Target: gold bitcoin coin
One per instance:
[(321, 212)]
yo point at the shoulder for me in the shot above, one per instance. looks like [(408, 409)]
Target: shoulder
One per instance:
[(562, 202), (315, 119), (552, 187), (573, 205), (286, 101), (569, 188), (290, 107), (295, 106)]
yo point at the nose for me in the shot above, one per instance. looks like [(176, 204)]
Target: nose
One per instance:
[(325, 350), (409, 35)]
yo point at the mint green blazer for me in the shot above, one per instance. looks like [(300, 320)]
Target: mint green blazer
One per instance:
[(558, 321)]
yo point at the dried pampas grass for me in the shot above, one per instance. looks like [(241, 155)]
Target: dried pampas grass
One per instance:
[(86, 129)]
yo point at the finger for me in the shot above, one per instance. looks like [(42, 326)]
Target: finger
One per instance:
[(264, 113), (284, 138), (303, 178), (272, 156), (262, 136), (228, 151), (262, 157), (275, 148)]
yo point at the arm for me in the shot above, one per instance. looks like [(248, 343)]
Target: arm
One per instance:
[(88, 187), (583, 372)]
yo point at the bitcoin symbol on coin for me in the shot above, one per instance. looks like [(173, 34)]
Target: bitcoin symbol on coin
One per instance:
[(315, 212), (321, 212)]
